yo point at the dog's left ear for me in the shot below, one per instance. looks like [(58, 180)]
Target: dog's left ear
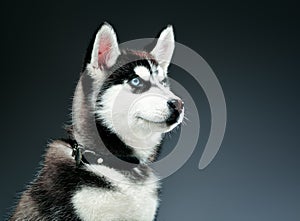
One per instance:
[(105, 49), (164, 47)]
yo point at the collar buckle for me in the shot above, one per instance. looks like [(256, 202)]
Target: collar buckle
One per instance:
[(77, 153)]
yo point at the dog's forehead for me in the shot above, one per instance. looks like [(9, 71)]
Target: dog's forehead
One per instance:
[(149, 67), (140, 63), (143, 72), (149, 72)]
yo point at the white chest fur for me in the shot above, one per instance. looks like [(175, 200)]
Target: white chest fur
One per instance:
[(128, 201)]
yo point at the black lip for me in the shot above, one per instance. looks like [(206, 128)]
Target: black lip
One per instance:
[(173, 118)]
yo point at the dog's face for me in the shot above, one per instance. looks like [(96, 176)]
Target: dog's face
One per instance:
[(134, 100)]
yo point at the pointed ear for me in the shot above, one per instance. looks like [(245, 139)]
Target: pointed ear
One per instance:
[(105, 48), (164, 47)]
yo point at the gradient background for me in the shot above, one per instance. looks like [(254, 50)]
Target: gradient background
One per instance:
[(252, 47)]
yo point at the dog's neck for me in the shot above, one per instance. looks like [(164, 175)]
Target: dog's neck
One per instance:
[(113, 143), (126, 149)]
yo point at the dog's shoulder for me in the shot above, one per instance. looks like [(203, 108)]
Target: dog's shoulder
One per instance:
[(64, 191), (49, 195)]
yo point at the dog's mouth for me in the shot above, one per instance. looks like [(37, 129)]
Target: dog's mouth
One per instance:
[(170, 120), (151, 121)]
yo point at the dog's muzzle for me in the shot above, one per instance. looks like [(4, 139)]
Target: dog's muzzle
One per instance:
[(175, 106)]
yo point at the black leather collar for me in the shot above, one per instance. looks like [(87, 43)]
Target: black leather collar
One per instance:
[(82, 156)]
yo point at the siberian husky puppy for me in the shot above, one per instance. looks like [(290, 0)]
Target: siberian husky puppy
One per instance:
[(122, 107)]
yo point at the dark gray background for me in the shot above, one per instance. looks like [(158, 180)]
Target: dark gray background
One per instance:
[(253, 49)]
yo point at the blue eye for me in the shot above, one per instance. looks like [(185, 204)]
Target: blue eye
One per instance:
[(135, 81)]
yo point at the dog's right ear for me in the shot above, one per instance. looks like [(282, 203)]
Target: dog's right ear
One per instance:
[(105, 48), (164, 47)]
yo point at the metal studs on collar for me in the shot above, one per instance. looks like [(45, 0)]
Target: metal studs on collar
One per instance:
[(100, 160)]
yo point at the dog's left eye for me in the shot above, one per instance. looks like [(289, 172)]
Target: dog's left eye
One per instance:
[(135, 82)]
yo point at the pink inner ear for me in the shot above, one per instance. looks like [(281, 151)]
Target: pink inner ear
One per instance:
[(104, 48)]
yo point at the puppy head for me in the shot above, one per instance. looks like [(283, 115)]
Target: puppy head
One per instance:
[(134, 99)]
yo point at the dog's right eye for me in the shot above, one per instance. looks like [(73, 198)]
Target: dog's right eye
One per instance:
[(135, 82)]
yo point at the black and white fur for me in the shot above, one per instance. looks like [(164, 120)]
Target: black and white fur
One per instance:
[(132, 106)]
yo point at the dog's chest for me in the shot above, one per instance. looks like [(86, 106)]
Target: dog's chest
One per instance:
[(127, 201)]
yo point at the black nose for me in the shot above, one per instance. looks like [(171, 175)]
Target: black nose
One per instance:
[(175, 104)]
